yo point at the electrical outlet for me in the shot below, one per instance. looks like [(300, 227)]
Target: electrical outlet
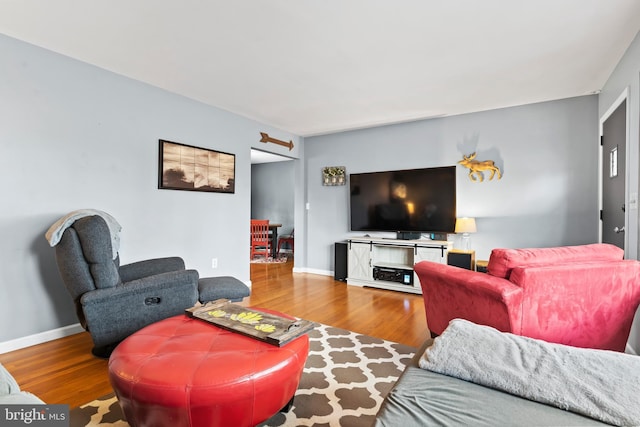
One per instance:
[(214, 262)]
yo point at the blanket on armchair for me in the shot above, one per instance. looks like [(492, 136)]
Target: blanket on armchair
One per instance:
[(57, 229), (601, 384)]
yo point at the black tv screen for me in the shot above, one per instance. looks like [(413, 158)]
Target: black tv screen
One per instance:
[(412, 200)]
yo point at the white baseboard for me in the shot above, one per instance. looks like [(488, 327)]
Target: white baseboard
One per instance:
[(312, 271), (40, 338)]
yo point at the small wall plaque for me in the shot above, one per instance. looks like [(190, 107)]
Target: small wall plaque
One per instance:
[(334, 175)]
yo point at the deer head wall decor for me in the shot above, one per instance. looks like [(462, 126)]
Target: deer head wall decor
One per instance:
[(477, 168)]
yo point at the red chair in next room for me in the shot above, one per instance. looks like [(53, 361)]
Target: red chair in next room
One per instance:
[(260, 239), (287, 239)]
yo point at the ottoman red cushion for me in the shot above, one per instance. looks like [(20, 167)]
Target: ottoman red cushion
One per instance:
[(186, 372)]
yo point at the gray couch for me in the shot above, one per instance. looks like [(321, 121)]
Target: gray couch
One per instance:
[(112, 300), (424, 398), (10, 393)]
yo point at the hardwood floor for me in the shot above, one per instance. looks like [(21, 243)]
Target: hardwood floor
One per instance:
[(64, 371)]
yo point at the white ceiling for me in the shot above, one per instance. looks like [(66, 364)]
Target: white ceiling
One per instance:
[(312, 67)]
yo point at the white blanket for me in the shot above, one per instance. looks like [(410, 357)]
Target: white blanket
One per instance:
[(54, 233), (604, 385)]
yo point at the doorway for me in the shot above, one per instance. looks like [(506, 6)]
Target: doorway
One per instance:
[(273, 190), (613, 137)]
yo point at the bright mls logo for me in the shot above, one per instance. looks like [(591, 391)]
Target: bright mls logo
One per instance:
[(34, 415)]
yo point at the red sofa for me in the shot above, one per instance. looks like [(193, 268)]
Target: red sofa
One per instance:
[(584, 296)]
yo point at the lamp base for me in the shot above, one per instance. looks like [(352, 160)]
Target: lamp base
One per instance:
[(466, 242)]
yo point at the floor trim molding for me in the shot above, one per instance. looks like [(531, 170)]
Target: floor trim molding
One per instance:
[(312, 271), (40, 338)]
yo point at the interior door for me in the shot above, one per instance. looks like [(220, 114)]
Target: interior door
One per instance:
[(614, 142)]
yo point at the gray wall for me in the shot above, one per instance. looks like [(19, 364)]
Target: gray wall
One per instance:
[(626, 76), (75, 136), (272, 193), (548, 153)]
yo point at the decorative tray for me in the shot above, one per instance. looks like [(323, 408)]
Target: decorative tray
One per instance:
[(266, 327)]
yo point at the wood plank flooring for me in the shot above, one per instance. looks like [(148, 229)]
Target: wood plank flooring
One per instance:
[(64, 371)]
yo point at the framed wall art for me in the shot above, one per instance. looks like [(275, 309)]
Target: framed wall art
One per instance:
[(184, 167)]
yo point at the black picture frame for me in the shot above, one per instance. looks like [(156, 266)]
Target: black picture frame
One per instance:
[(189, 168)]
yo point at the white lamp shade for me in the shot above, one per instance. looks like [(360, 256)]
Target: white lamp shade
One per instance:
[(465, 225)]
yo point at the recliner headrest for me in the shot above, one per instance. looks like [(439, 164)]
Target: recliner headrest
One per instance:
[(95, 240)]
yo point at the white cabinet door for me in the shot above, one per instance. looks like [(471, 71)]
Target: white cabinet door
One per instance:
[(360, 261), (438, 255), (430, 254)]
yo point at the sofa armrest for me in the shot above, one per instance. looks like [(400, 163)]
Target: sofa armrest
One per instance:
[(150, 267), (588, 304), (10, 393), (21, 398), (451, 292), (8, 384)]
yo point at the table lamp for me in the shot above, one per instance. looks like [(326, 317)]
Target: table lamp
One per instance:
[(465, 226)]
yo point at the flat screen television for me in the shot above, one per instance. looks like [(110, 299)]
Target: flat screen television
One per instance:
[(412, 200)]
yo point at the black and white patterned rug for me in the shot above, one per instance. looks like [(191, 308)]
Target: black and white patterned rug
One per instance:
[(343, 383)]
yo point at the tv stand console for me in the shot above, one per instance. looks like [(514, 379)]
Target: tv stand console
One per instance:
[(388, 263)]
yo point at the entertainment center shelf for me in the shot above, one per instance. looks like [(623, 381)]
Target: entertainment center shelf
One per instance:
[(388, 263)]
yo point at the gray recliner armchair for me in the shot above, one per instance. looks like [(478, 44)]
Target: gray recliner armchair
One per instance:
[(114, 301)]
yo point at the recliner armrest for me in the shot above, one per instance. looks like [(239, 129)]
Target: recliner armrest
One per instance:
[(187, 279), (150, 267), (113, 314)]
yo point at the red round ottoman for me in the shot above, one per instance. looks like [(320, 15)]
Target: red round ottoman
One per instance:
[(183, 371)]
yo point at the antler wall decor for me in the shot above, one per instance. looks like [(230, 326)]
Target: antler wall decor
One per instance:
[(477, 168), (266, 138)]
